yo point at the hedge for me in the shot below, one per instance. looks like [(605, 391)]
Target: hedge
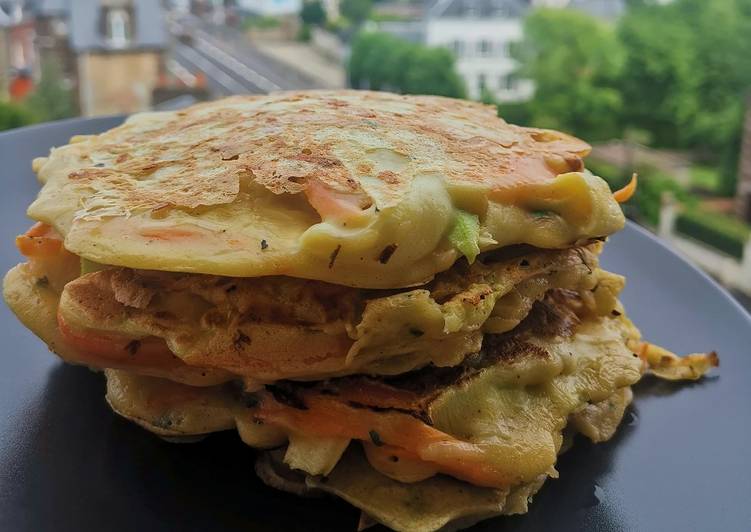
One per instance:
[(722, 232), (644, 207), (719, 231)]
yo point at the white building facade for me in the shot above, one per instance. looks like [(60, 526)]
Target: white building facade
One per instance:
[(271, 8), (481, 34)]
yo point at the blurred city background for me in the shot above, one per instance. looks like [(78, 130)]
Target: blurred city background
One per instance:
[(662, 88)]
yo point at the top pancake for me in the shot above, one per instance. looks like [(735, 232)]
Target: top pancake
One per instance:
[(350, 187)]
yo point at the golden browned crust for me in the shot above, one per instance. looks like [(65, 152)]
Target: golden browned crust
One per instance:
[(218, 188), (198, 156)]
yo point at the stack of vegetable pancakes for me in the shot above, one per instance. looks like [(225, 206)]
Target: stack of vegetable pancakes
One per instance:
[(396, 298)]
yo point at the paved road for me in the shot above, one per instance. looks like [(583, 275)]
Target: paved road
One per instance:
[(231, 64)]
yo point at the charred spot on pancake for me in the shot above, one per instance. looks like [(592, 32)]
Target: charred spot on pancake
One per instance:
[(506, 253), (583, 259), (241, 340), (250, 400), (132, 347), (287, 394), (386, 253), (334, 254), (163, 422), (264, 244)]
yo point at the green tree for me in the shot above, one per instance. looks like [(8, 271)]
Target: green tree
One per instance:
[(575, 62), (313, 13), (380, 61), (688, 69), (356, 11), (51, 100), (659, 86), (431, 71), (13, 115)]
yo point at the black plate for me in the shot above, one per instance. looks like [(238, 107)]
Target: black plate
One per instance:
[(681, 461)]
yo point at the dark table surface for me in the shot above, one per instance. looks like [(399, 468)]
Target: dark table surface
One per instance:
[(681, 461)]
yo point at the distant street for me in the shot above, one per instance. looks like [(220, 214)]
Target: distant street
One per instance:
[(230, 63)]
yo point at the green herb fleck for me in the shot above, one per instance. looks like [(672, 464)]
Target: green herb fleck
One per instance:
[(375, 438), (465, 235)]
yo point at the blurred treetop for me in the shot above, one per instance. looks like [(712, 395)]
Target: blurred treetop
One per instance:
[(576, 63), (380, 61), (677, 74)]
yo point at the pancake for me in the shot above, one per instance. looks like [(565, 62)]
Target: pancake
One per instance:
[(275, 328), (34, 301), (397, 299), (495, 420), (281, 328), (436, 447), (355, 188)]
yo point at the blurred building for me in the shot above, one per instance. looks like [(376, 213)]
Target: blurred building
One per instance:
[(17, 51), (109, 51), (480, 33), (118, 46), (113, 50), (4, 55)]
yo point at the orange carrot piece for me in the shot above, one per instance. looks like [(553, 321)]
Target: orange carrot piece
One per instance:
[(41, 240), (625, 194)]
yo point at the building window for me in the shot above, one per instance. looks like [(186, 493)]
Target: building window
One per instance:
[(59, 28), (18, 55), (484, 48), (507, 82), (458, 48), (505, 48), (482, 82), (118, 27)]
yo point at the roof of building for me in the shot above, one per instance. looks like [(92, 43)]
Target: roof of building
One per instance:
[(479, 8), (606, 9), (50, 7), (9, 12), (409, 30), (85, 31)]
